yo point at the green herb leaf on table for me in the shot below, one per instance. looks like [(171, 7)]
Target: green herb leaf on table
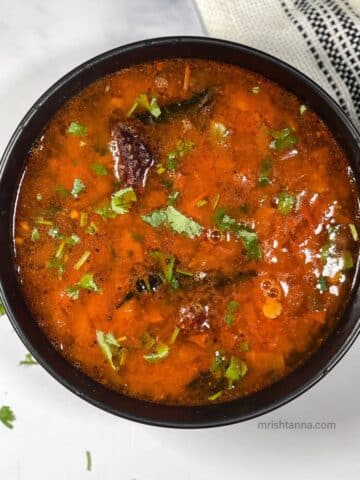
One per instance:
[(283, 139), (2, 309), (28, 360), (77, 129), (7, 416), (88, 461)]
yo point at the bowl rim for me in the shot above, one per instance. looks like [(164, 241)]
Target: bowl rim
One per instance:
[(144, 418)]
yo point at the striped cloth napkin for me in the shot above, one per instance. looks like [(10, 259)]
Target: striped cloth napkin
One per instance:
[(319, 37)]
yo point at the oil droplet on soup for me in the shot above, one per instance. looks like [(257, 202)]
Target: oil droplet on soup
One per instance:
[(186, 231)]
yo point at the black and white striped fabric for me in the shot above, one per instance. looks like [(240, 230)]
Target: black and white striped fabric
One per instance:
[(320, 37)]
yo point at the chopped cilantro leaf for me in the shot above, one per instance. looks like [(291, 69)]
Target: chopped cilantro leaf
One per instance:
[(215, 396), (286, 203), (7, 416), (231, 308), (174, 219), (88, 461), (173, 198), (2, 309), (264, 174), (35, 235), (105, 211), (28, 360), (86, 282), (78, 188), (99, 169), (236, 370), (121, 200), (182, 148), (114, 353), (160, 353), (225, 223), (354, 232), (322, 284), (91, 229), (167, 265), (143, 101), (283, 139), (76, 128)]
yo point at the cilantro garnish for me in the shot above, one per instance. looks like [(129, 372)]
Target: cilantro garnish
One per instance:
[(286, 203), (231, 308), (114, 353), (236, 370), (264, 174), (78, 187), (225, 223), (77, 128), (7, 416), (86, 282), (175, 220), (167, 265), (283, 139), (28, 360), (35, 235), (181, 149), (121, 200), (160, 353), (99, 169), (151, 106)]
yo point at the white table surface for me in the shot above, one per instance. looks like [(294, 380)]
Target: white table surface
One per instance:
[(39, 42)]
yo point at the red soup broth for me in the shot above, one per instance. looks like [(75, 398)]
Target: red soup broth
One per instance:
[(186, 231)]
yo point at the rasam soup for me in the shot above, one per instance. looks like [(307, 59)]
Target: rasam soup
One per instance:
[(186, 231)]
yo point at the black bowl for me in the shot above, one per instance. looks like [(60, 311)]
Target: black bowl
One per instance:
[(12, 167)]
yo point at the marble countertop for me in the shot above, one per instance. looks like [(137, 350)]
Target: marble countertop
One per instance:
[(39, 42)]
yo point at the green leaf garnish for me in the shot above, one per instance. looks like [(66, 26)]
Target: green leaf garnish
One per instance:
[(73, 239), (175, 220), (264, 174), (231, 308), (161, 352), (218, 364), (173, 198), (114, 353), (28, 360), (302, 109), (7, 416), (105, 211), (322, 284), (182, 148), (286, 203), (225, 223), (91, 229), (99, 169), (121, 200), (2, 309), (35, 235), (82, 260), (283, 139), (236, 370), (78, 187), (88, 461), (53, 232), (244, 346), (78, 129), (167, 265), (346, 260), (215, 396), (354, 232), (218, 131), (86, 282), (143, 101)]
